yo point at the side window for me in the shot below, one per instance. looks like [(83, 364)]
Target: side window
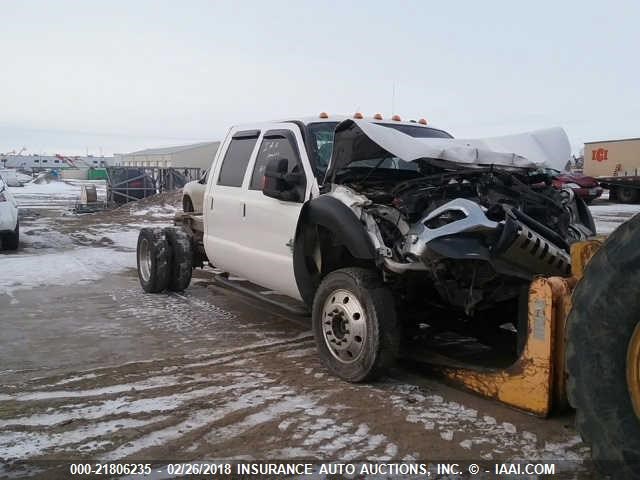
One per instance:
[(274, 145), (236, 158)]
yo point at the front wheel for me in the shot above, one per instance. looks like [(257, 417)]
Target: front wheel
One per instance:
[(354, 324), (12, 239)]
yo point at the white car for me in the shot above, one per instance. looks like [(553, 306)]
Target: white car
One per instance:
[(193, 194), (9, 226)]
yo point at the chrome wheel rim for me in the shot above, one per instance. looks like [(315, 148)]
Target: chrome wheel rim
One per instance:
[(344, 326), (144, 259)]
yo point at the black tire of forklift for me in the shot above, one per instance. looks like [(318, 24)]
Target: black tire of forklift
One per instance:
[(11, 240), (181, 258), (381, 342), (152, 255), (606, 310), (627, 195)]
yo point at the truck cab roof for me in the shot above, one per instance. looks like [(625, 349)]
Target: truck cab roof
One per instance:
[(318, 132)]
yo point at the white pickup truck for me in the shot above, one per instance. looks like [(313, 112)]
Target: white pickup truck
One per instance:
[(378, 226)]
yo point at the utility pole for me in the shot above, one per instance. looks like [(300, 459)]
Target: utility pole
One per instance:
[(393, 98)]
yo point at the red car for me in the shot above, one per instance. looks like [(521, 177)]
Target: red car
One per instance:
[(587, 188)]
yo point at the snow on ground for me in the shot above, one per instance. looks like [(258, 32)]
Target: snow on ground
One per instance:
[(156, 211), (53, 253), (608, 216), (54, 194), (50, 257), (61, 268)]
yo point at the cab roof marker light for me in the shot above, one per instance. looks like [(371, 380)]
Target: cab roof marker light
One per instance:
[(358, 116), (396, 118), (377, 116), (323, 115), (422, 121)]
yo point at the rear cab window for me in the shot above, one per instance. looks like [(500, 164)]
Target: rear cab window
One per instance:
[(236, 158)]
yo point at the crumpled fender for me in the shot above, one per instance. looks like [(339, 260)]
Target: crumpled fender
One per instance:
[(338, 218)]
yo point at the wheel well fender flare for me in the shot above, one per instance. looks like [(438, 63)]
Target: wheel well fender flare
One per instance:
[(342, 222)]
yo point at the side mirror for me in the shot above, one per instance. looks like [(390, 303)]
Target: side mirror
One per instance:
[(280, 184)]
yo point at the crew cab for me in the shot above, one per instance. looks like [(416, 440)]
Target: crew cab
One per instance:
[(378, 226)]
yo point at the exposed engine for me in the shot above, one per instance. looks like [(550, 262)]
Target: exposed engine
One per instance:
[(477, 234)]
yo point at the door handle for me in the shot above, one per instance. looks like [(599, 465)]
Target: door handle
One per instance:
[(243, 209), (211, 203)]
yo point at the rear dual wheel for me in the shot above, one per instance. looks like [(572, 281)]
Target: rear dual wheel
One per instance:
[(603, 353), (165, 259)]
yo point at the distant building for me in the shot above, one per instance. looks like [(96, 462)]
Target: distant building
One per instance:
[(30, 162), (197, 155)]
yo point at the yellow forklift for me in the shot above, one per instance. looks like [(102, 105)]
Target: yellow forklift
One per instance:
[(582, 350)]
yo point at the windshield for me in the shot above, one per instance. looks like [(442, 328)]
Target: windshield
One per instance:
[(321, 142), (417, 132), (391, 163)]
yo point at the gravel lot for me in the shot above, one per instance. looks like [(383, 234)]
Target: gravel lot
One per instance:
[(92, 368)]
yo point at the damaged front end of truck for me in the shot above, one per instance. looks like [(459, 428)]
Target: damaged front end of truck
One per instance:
[(454, 225)]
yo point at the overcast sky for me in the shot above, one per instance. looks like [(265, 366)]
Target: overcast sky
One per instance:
[(121, 75)]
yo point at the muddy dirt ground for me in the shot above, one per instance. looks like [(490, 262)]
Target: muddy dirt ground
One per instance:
[(91, 368)]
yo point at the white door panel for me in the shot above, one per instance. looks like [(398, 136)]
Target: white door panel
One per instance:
[(270, 248), (224, 228), (249, 234)]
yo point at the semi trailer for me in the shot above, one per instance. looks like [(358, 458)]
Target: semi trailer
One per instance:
[(616, 165)]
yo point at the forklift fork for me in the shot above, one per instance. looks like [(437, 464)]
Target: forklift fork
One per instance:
[(536, 381)]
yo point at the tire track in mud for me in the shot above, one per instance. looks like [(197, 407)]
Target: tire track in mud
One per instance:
[(278, 403), (266, 399)]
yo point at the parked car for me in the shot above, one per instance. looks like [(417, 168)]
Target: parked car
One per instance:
[(10, 177), (193, 194), (9, 225), (585, 187)]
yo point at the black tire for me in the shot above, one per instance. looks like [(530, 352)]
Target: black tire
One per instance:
[(11, 240), (605, 313), (187, 204), (181, 258), (153, 260), (627, 195), (378, 345)]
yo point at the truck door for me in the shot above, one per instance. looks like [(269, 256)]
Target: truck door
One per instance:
[(223, 206), (273, 222)]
